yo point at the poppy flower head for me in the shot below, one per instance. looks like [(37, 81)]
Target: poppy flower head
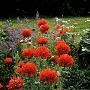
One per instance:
[(62, 47), (63, 31), (42, 52), (20, 63), (8, 60), (54, 58), (42, 40), (48, 75), (57, 27), (15, 83), (44, 28), (26, 32), (19, 70), (29, 69), (65, 60), (59, 42), (41, 22), (28, 53)]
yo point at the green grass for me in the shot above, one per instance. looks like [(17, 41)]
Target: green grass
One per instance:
[(80, 23), (77, 25)]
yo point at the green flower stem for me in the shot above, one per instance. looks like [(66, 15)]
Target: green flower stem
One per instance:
[(59, 79), (30, 83)]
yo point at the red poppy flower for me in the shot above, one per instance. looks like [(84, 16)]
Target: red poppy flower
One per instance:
[(42, 40), (19, 70), (54, 58), (63, 31), (28, 53), (42, 52), (57, 27), (1, 86), (62, 47), (26, 32), (20, 63), (65, 60), (29, 69), (41, 22), (15, 83), (59, 42), (48, 75), (8, 60), (44, 28)]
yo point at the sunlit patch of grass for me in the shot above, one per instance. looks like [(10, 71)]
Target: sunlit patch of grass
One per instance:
[(77, 25)]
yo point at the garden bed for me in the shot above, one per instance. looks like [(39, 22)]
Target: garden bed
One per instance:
[(43, 54)]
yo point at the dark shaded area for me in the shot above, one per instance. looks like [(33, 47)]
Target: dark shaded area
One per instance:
[(84, 52), (12, 8), (76, 79)]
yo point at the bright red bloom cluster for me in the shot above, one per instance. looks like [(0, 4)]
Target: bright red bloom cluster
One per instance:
[(1, 86), (49, 76), (57, 27), (41, 22), (59, 42), (42, 40), (65, 60), (61, 32), (27, 69), (8, 60), (44, 28), (43, 25), (15, 83), (42, 52), (26, 32), (54, 58), (28, 53), (20, 63), (62, 47)]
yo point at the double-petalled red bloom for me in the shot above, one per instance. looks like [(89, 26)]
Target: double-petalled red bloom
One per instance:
[(1, 86), (62, 47), (8, 60), (63, 31), (41, 22), (42, 52), (28, 53), (58, 27), (54, 58), (26, 32), (59, 42), (44, 28), (42, 40), (48, 75), (29, 69), (20, 63), (15, 83), (65, 60)]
